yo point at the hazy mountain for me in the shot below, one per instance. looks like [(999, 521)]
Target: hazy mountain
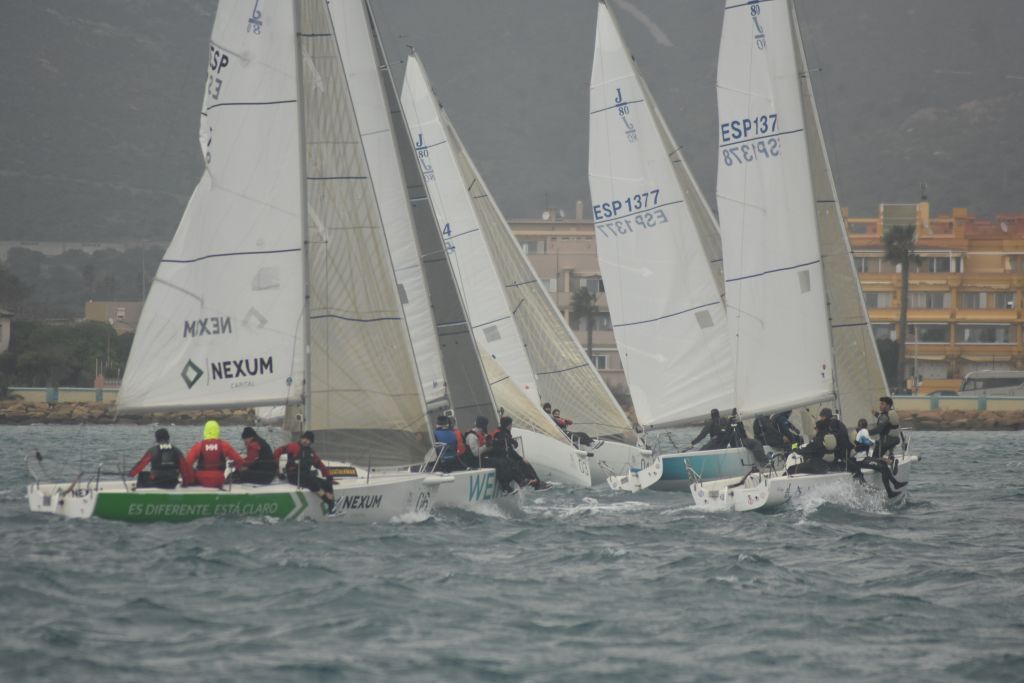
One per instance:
[(100, 106)]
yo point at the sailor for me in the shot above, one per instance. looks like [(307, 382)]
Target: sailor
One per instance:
[(863, 443), (564, 423), (449, 445), (714, 429), (165, 462), (790, 434), (476, 441), (887, 422), (819, 453), (301, 467), (260, 463), (504, 457), (212, 453)]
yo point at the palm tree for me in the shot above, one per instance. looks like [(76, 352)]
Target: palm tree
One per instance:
[(584, 307), (898, 242)]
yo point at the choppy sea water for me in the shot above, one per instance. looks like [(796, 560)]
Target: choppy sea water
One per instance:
[(583, 585)]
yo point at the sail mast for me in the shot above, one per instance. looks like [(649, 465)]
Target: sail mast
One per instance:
[(307, 402)]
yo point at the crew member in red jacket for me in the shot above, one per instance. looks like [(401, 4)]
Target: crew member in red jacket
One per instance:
[(212, 453), (165, 462), (299, 469)]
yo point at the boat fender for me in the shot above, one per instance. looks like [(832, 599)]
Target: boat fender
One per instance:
[(793, 460)]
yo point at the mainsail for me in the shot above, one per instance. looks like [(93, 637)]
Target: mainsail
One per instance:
[(860, 379), (366, 72), (223, 323), (773, 270), (657, 247), (365, 398)]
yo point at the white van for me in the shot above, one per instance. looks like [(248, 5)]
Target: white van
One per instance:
[(993, 383)]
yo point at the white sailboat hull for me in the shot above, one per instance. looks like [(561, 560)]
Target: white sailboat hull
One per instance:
[(613, 459), (555, 460), (672, 471), (382, 499), (476, 490), (763, 491)]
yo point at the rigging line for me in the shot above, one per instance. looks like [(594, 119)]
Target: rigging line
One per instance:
[(320, 316), (555, 372)]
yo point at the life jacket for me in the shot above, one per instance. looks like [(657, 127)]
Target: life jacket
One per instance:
[(211, 456), (481, 439), (163, 461), (460, 443), (452, 443)]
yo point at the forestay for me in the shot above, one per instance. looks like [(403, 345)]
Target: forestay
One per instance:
[(222, 324), (366, 72), (480, 289), (565, 376), (365, 398), (767, 216), (860, 379), (651, 228)]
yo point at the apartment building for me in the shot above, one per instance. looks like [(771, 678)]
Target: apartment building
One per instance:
[(965, 302), (563, 252)]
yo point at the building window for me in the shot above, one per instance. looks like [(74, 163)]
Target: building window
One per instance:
[(602, 321), (928, 300), (121, 313), (940, 264), (986, 334), (928, 333), (552, 284), (883, 330), (600, 362), (868, 264), (986, 300), (532, 246), (878, 299), (593, 284)]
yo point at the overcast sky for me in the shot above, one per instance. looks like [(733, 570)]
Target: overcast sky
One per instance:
[(100, 107)]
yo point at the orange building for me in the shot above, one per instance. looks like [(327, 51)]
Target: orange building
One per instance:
[(965, 309)]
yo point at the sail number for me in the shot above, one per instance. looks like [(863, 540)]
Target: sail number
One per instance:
[(624, 226), (750, 151), (218, 60), (755, 126), (629, 204)]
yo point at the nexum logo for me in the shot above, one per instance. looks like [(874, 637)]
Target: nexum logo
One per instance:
[(207, 326), (191, 373)]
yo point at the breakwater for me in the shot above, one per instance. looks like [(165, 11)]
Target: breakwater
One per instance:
[(16, 412)]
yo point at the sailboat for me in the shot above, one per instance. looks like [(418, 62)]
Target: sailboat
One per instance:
[(802, 336), (515, 319), (660, 257), (452, 377), (278, 288)]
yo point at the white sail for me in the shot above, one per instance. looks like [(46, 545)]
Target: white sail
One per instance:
[(565, 376), (479, 286), (359, 55), (651, 228), (860, 379), (467, 391), (223, 323), (767, 216), (365, 399)]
